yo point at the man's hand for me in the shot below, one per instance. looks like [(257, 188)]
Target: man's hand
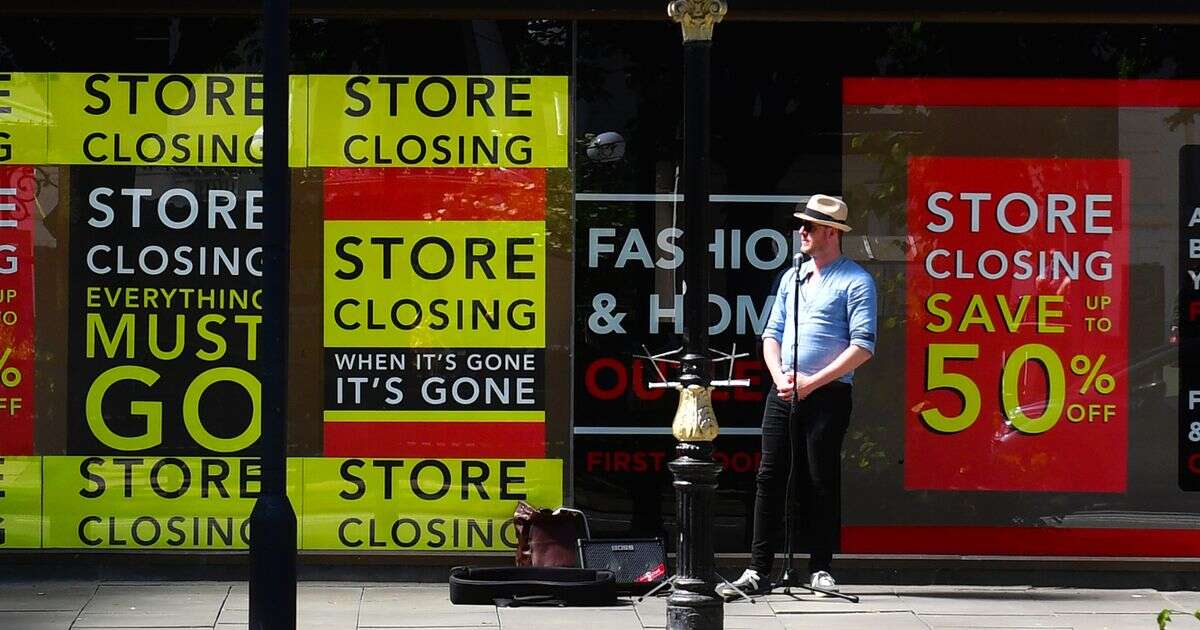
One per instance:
[(805, 385), (849, 359), (783, 386)]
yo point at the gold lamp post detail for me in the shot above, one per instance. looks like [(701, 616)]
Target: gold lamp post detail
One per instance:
[(695, 420), (697, 17)]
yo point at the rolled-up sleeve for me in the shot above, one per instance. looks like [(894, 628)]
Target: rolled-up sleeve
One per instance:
[(776, 322), (860, 312)]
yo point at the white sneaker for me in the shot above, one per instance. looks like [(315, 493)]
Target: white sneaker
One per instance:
[(751, 583), (824, 581)]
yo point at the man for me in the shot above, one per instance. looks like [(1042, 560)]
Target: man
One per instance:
[(832, 330)]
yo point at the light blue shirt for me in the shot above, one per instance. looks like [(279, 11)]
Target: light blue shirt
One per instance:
[(836, 310)]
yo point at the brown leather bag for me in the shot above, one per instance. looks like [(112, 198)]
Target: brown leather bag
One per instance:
[(546, 538)]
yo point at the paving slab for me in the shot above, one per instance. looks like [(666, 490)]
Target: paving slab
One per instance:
[(940, 622), (1184, 619), (652, 612), (48, 596), (173, 598), (968, 603), (33, 620), (380, 617), (587, 618), (761, 608), (233, 615), (853, 621), (752, 623), (424, 597), (1033, 602), (419, 605), (239, 596), (308, 596), (1183, 600), (329, 598), (327, 619), (821, 604), (1125, 622), (139, 619), (305, 620), (300, 625), (1091, 601)]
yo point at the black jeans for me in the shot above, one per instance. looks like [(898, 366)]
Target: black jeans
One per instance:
[(820, 422)]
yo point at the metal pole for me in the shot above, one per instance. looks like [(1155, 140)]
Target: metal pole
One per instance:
[(694, 604), (697, 366), (273, 521)]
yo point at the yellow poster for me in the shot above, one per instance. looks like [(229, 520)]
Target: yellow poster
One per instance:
[(422, 504), (24, 115), (166, 119), (132, 503), (204, 503), (435, 284), (20, 502), (159, 119), (438, 121)]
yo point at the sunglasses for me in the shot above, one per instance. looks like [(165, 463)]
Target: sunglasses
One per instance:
[(807, 226)]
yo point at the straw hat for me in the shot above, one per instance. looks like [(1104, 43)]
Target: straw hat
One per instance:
[(824, 210)]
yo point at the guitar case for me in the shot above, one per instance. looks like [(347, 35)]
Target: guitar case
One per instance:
[(532, 586)]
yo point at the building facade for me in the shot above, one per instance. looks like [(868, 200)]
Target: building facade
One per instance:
[(484, 249)]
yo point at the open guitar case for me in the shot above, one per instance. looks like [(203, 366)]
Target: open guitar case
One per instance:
[(532, 586), (546, 573)]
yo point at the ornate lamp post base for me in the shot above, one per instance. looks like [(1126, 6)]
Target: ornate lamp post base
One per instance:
[(694, 604)]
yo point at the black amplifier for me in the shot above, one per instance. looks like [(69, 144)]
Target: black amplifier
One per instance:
[(638, 563)]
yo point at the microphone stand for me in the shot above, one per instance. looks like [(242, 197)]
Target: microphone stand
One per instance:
[(787, 579)]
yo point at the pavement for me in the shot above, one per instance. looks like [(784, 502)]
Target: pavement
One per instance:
[(63, 605)]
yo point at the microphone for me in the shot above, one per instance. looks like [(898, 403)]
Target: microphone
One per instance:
[(797, 260)]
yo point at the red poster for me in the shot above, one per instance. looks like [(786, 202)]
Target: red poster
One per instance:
[(428, 384), (17, 202), (1016, 327)]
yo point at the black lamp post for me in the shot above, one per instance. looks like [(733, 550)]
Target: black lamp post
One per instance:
[(273, 521), (694, 604)]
